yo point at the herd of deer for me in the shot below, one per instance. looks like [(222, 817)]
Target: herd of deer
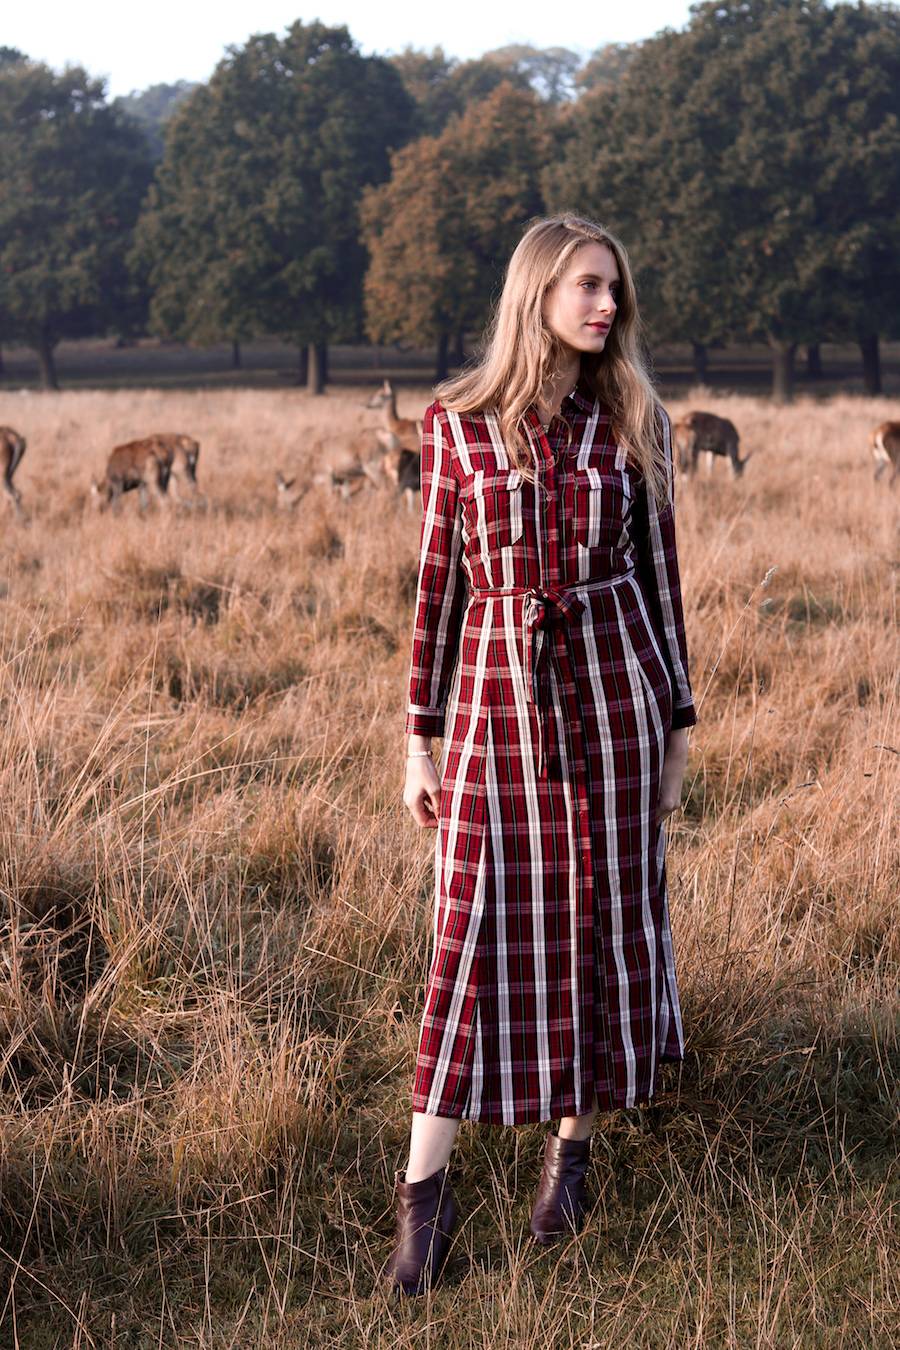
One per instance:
[(387, 455)]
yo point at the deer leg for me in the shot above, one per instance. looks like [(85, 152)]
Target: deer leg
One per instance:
[(12, 498)]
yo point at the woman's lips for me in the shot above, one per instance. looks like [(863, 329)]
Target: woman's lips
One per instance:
[(600, 327)]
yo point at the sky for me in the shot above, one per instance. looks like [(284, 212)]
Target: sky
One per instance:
[(134, 46)]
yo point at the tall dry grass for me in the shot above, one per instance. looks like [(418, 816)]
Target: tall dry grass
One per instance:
[(216, 915)]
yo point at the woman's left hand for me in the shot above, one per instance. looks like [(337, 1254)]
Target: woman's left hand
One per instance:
[(672, 777)]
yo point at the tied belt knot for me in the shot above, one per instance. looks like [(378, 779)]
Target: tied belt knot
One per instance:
[(545, 608)]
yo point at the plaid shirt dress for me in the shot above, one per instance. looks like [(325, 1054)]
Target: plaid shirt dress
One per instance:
[(549, 653)]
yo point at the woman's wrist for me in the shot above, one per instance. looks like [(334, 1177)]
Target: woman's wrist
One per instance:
[(418, 745)]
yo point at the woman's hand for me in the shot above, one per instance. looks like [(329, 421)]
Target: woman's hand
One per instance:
[(672, 776), (422, 793)]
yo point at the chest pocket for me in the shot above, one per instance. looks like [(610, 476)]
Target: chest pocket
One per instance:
[(494, 508), (602, 502), (589, 506)]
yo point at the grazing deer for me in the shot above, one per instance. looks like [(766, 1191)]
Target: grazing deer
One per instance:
[(180, 453), (884, 443), (403, 468), (12, 448), (137, 465), (285, 499), (703, 431), (396, 432)]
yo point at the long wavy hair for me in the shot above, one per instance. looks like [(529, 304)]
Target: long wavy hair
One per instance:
[(520, 353)]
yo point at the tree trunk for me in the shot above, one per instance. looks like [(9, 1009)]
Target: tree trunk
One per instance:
[(303, 365), (814, 361), (47, 360), (459, 349), (871, 358), (441, 362), (700, 362), (235, 356), (782, 370), (315, 383)]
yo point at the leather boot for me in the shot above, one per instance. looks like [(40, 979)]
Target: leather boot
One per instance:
[(426, 1217), (561, 1198)]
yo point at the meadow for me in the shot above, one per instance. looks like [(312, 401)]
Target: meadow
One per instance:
[(217, 912)]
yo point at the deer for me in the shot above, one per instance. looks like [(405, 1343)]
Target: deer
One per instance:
[(403, 468), (705, 431), (285, 499), (884, 444), (180, 453), (137, 465), (396, 433), (12, 448)]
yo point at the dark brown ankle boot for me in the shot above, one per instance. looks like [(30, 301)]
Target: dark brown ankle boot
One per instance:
[(561, 1198), (426, 1218)]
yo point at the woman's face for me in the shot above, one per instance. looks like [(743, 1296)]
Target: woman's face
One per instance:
[(581, 307)]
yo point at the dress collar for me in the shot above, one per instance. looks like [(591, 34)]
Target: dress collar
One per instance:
[(582, 395)]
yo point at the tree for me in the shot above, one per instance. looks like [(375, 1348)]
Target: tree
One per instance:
[(73, 172), (738, 185), (605, 67), (442, 87), (252, 223), (152, 108), (551, 72), (440, 231)]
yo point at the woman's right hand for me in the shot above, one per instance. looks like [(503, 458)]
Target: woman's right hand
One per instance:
[(422, 793)]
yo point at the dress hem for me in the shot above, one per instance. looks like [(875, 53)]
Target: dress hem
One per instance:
[(566, 1108)]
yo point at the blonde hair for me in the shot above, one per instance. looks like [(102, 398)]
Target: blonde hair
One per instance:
[(521, 353)]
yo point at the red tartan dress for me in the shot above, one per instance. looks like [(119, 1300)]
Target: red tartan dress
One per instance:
[(549, 652)]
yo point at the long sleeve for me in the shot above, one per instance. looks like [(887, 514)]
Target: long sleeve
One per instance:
[(657, 564), (441, 589)]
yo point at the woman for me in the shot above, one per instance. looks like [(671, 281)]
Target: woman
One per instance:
[(549, 652)]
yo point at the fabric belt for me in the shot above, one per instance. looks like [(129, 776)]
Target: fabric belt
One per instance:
[(545, 608)]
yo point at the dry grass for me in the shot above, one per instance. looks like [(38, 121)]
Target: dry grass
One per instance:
[(217, 916)]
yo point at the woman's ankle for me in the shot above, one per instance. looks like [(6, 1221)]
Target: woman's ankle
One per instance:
[(411, 1175)]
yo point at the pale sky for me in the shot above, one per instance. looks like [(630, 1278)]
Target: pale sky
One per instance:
[(136, 45)]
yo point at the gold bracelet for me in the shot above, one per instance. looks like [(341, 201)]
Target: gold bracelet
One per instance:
[(411, 753)]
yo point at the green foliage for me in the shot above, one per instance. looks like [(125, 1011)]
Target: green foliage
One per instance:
[(606, 66), (252, 223), (442, 87), (73, 172), (152, 108), (757, 187), (551, 72), (440, 232)]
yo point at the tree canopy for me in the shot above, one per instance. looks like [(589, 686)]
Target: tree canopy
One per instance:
[(252, 223), (754, 189), (440, 231), (74, 171)]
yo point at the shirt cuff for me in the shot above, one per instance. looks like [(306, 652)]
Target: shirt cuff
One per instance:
[(683, 717), (424, 722)]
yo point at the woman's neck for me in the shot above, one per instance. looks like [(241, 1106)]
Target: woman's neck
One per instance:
[(555, 389)]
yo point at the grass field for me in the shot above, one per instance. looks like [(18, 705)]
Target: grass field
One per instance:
[(217, 914)]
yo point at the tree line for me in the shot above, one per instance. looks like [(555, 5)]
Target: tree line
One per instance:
[(750, 162)]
